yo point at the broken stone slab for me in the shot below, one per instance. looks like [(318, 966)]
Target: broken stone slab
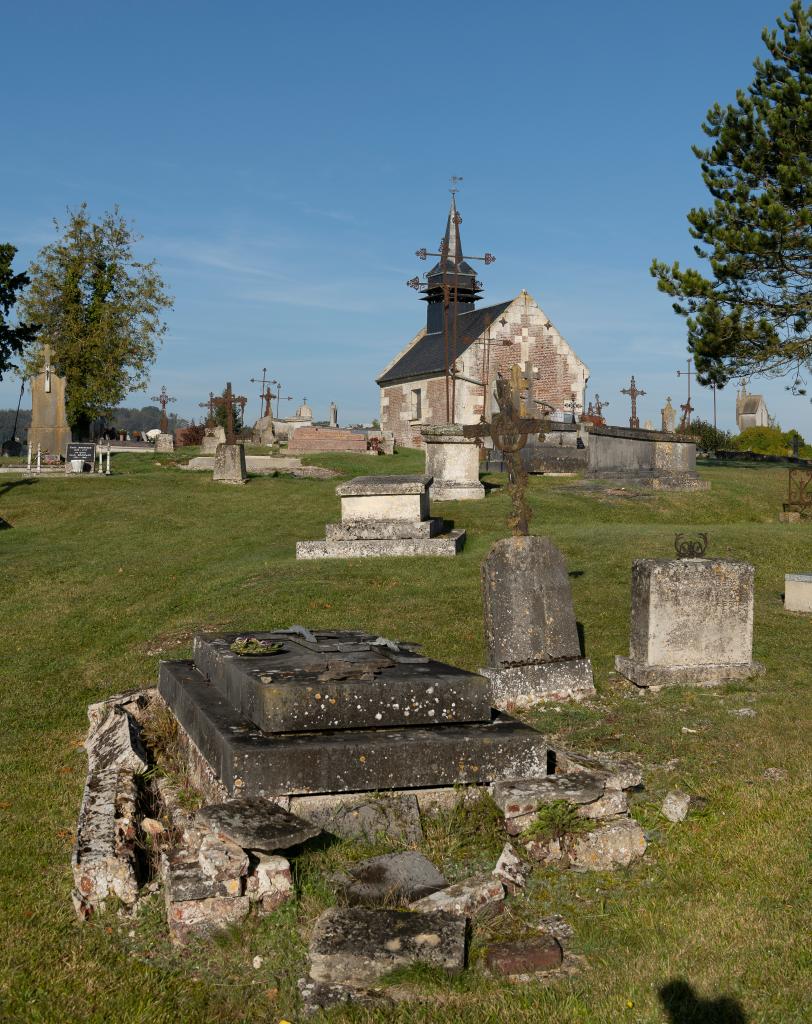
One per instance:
[(221, 859), (511, 870), (316, 997), (390, 878), (468, 898), (186, 880), (677, 805), (256, 824), (205, 917), (356, 946), (520, 799), (524, 686), (617, 844), (351, 816), (555, 925), (270, 883), (115, 743), (535, 955), (616, 775)]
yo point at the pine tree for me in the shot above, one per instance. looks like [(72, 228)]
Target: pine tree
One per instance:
[(13, 340), (754, 315)]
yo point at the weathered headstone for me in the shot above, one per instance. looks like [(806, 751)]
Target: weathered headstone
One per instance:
[(798, 592), (229, 464), (668, 415), (532, 637), (212, 437), (164, 443), (49, 425), (691, 622)]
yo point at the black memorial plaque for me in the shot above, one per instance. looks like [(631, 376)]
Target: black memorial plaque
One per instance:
[(81, 450)]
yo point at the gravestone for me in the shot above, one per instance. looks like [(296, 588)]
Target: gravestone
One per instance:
[(264, 432), (229, 464), (798, 592), (212, 437), (341, 712), (384, 515), (668, 416), (531, 634), (452, 461), (164, 443), (691, 623), (80, 451), (49, 425)]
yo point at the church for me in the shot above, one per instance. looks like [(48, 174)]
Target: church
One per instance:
[(447, 373)]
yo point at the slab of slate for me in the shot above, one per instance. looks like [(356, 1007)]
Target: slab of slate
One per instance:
[(251, 763), (355, 946), (257, 824), (396, 816), (468, 898), (390, 878), (311, 687)]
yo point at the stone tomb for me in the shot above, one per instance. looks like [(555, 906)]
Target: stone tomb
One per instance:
[(530, 628), (340, 712), (326, 439), (384, 515), (691, 623), (652, 458), (798, 592), (452, 461)]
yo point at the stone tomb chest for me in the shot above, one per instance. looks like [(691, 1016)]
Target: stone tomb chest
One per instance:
[(337, 712), (652, 458)]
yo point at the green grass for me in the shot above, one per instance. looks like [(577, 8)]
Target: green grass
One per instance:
[(102, 576)]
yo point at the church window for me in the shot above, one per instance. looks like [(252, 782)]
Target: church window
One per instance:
[(416, 411)]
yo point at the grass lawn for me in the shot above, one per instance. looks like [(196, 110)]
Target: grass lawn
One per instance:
[(102, 576)]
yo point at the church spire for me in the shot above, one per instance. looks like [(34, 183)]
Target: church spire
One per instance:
[(451, 282)]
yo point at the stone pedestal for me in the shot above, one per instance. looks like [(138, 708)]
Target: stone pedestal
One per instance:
[(212, 437), (164, 443), (530, 629), (49, 425), (384, 515), (691, 623), (452, 460), (798, 592), (229, 464)]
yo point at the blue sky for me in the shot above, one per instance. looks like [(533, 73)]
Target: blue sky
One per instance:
[(284, 161)]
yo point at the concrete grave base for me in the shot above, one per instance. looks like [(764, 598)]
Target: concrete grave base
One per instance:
[(522, 686), (445, 545), (684, 675), (229, 464), (798, 592)]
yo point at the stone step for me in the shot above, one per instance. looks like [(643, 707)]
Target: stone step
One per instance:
[(446, 545), (288, 692), (383, 529), (251, 763)]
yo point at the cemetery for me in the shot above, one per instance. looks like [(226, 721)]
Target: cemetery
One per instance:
[(409, 678)]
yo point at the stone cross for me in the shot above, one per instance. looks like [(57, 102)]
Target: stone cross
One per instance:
[(228, 400), (163, 398), (509, 431), (634, 393)]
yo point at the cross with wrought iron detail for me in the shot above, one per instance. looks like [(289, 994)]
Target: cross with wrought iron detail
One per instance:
[(598, 405), (263, 389), (164, 397), (210, 406), (634, 393), (509, 431), (573, 405), (228, 400)]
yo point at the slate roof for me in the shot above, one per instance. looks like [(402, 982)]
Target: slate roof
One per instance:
[(750, 404), (427, 356)]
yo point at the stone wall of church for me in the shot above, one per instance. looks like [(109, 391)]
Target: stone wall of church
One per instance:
[(526, 338)]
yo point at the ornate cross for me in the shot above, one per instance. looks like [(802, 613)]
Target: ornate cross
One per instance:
[(509, 431), (598, 405), (164, 397), (634, 393), (573, 405), (687, 408), (262, 389), (268, 398), (210, 406), (228, 400)]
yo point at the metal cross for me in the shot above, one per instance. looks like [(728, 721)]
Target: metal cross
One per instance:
[(228, 400), (634, 393), (210, 406), (687, 409), (509, 431), (598, 405), (262, 385), (573, 405), (164, 397)]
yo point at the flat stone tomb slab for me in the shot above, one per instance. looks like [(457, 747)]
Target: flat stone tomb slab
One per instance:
[(384, 498), (340, 681), (691, 623), (444, 545), (798, 592), (383, 529), (257, 824), (252, 763)]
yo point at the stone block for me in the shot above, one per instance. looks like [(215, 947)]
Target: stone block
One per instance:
[(251, 763), (165, 443), (452, 460), (617, 844), (384, 498), (186, 879), (469, 898), (304, 690), (677, 805), (269, 883), (326, 439), (256, 824), (798, 592), (221, 859), (445, 546), (660, 460), (229, 464), (350, 816), (534, 651), (205, 917), (525, 957), (691, 622), (511, 870), (389, 879), (212, 437), (383, 529), (520, 799), (355, 946)]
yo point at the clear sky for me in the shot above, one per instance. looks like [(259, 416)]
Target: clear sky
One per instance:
[(283, 162)]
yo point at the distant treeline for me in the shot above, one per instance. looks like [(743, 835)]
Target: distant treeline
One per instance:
[(122, 418)]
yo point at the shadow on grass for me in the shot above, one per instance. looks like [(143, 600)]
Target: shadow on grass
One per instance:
[(6, 487), (684, 1006)]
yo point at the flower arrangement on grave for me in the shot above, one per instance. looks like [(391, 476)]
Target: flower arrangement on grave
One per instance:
[(253, 646)]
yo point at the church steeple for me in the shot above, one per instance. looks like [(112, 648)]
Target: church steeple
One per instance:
[(451, 279)]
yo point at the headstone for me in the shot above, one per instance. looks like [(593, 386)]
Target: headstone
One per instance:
[(691, 623), (534, 650), (452, 461), (384, 515), (264, 432), (257, 824), (798, 592), (80, 456), (668, 416), (212, 437), (164, 443), (229, 464), (49, 425)]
